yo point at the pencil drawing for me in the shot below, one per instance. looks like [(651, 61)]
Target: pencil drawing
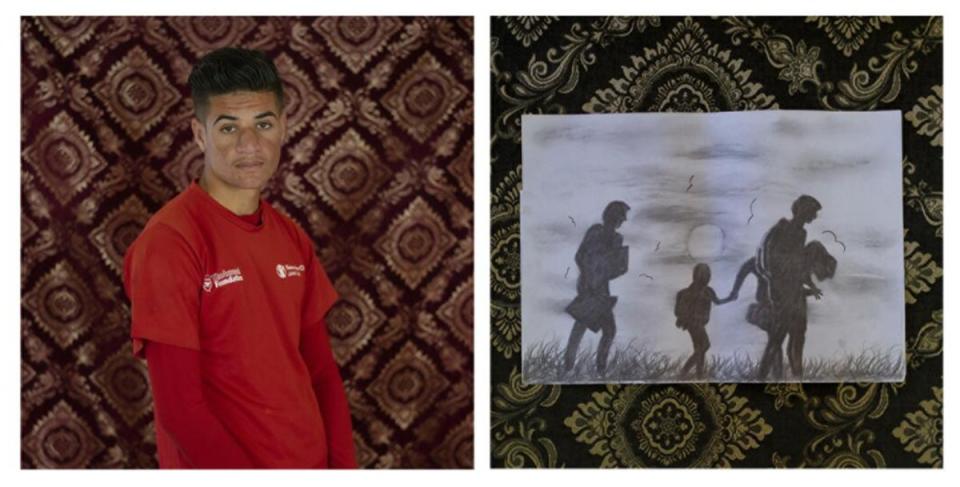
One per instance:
[(673, 187)]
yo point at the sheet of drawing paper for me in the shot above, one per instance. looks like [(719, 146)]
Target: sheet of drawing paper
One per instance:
[(805, 205)]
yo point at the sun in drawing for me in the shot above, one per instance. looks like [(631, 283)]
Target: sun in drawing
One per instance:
[(705, 242)]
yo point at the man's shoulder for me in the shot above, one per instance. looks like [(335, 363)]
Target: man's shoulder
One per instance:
[(287, 225), (595, 230), (175, 220)]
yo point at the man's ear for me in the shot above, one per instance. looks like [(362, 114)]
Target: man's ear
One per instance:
[(199, 134)]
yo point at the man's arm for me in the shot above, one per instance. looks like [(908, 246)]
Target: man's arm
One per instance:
[(716, 299), (328, 387), (185, 414)]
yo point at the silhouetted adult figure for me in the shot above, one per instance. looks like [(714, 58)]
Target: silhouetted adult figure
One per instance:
[(817, 263), (780, 260), (600, 258)]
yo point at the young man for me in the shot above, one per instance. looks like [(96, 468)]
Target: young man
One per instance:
[(228, 297)]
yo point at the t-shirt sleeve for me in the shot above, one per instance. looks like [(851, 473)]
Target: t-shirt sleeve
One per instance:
[(319, 295), (162, 276)]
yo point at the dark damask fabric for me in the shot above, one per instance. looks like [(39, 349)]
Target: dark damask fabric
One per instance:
[(378, 168), (607, 65)]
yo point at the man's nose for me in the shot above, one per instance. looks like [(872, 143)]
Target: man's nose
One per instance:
[(248, 142)]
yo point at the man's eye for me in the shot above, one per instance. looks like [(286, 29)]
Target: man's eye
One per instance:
[(264, 125), (228, 129)]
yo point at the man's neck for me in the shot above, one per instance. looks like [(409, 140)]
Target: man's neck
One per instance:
[(238, 201)]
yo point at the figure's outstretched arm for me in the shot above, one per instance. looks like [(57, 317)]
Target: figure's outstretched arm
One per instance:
[(746, 269)]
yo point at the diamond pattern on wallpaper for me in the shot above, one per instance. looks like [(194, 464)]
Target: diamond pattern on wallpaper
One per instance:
[(408, 385), (348, 174), (457, 313), (302, 100), (353, 320), (204, 34), (424, 97), (64, 157), (124, 382), (61, 439), (120, 143), (118, 230), (416, 242), (185, 166), (356, 40), (62, 303), (68, 33), (137, 93)]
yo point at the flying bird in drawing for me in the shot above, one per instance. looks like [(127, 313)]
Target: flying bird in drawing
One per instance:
[(751, 211), (565, 273), (658, 246), (572, 220), (648, 276), (691, 183), (837, 240)]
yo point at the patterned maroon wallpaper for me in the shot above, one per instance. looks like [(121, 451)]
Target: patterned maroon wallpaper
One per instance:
[(378, 168)]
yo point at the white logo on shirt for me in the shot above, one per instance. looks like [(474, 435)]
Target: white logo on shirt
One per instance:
[(222, 278), (286, 270)]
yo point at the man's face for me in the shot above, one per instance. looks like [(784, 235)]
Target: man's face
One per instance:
[(620, 219), (241, 138)]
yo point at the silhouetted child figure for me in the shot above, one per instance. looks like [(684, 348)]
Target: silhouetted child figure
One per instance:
[(693, 312)]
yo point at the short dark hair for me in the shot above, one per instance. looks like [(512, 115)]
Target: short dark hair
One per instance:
[(232, 69), (805, 204), (613, 210)]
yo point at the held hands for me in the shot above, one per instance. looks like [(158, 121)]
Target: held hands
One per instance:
[(732, 297)]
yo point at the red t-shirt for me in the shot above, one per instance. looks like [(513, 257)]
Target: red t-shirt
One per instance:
[(243, 294)]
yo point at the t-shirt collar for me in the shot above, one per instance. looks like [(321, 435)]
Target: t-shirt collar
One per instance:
[(244, 222)]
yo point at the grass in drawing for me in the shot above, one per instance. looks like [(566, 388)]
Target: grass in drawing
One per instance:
[(543, 363)]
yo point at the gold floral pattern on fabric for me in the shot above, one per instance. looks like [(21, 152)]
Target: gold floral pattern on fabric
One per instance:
[(505, 256), (843, 439), (517, 439), (786, 394), (849, 33), (922, 431), (921, 197), (505, 318), (505, 201), (528, 29), (559, 72), (504, 304), (883, 77), (921, 271), (927, 116), (699, 425), (685, 72), (797, 64), (928, 342), (667, 425)]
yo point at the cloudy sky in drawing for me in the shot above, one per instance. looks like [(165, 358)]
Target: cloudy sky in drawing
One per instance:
[(699, 174)]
